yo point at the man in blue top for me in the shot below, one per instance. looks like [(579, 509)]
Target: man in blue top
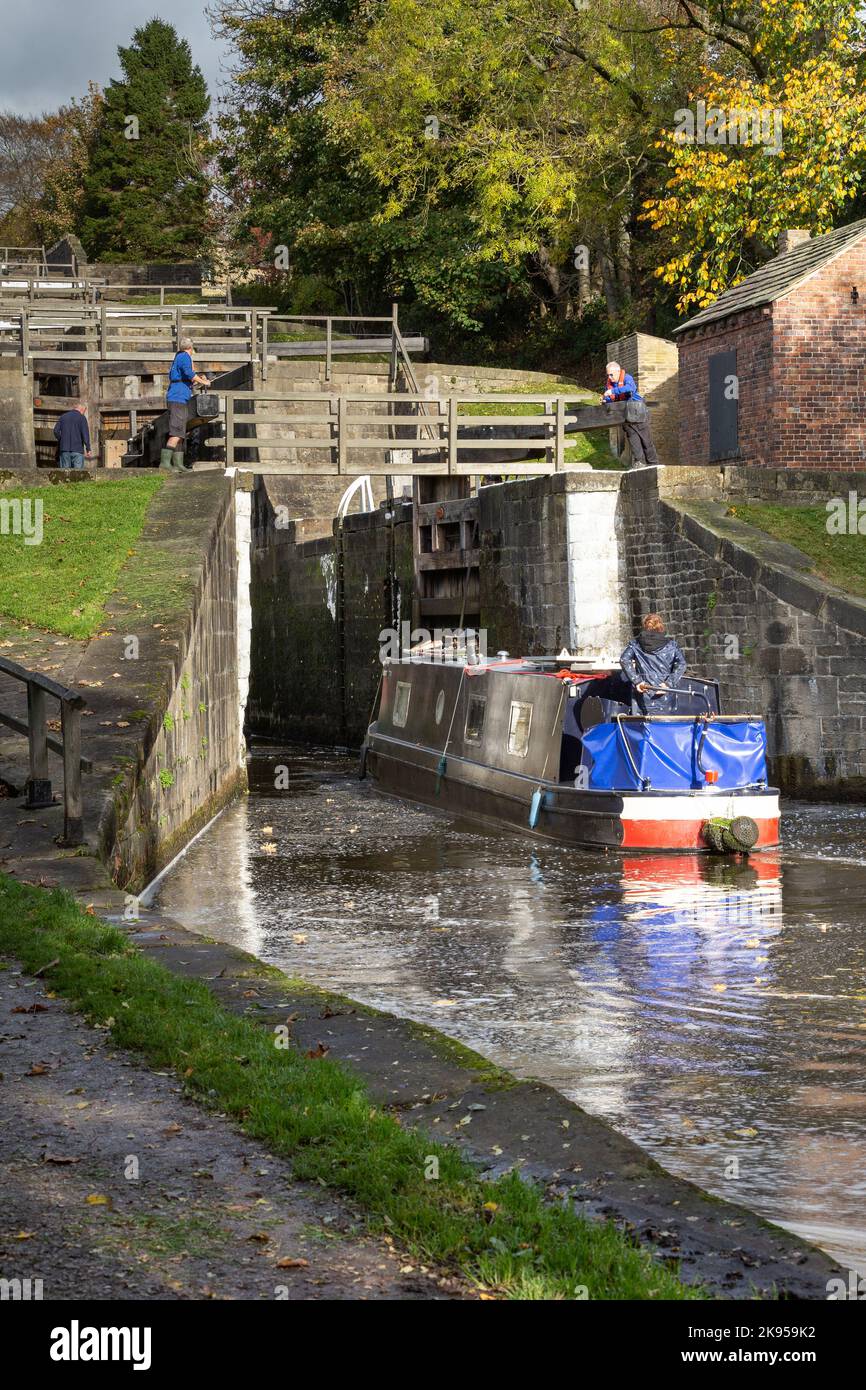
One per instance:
[(182, 377), (621, 386), (73, 436)]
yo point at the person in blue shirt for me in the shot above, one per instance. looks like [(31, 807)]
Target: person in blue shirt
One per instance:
[(621, 386), (73, 436), (182, 378)]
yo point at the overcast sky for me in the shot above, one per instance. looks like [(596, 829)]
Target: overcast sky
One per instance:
[(50, 48)]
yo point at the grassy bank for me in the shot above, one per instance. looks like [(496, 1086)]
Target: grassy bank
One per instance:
[(500, 1234), (89, 530), (840, 560)]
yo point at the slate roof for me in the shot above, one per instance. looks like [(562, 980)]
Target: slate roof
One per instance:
[(778, 276)]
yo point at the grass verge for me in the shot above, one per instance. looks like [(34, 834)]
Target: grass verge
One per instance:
[(88, 532), (840, 560), (502, 1235)]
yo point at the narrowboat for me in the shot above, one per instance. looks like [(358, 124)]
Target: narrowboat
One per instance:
[(558, 747)]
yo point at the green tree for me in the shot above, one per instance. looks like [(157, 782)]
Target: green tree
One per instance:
[(455, 155), (147, 189), (798, 65)]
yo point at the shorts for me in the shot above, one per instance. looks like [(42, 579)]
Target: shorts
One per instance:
[(178, 415)]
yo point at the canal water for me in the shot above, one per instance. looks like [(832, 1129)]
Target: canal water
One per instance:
[(714, 1012)]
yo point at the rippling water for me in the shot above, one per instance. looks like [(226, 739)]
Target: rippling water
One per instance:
[(714, 1012)]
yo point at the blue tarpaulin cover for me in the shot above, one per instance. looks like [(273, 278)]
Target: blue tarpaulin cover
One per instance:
[(666, 754)]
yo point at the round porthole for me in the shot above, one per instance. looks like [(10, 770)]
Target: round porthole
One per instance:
[(440, 706)]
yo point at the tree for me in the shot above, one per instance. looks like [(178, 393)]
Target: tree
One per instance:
[(27, 144), (65, 173), (469, 157), (788, 78), (146, 192)]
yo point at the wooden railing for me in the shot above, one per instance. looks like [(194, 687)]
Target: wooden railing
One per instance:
[(106, 334), (448, 439), (35, 729), (36, 288), (109, 333), (24, 258)]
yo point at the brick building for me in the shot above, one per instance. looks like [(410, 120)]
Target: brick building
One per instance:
[(774, 372)]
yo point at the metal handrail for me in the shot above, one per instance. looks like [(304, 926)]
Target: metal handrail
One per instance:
[(39, 793)]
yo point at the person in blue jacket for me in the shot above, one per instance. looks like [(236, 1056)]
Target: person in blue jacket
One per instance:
[(73, 436), (182, 377), (621, 386), (653, 663)]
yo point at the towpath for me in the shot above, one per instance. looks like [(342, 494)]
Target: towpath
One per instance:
[(117, 1187)]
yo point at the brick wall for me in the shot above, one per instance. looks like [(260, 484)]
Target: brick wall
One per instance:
[(752, 336), (801, 364), (819, 369)]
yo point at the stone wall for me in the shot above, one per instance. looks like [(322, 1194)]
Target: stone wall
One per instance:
[(551, 572), (70, 257), (183, 755), (745, 610)]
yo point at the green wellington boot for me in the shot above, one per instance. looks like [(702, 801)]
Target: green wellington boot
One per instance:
[(166, 459), (177, 460)]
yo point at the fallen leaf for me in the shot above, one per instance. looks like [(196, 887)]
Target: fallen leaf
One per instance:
[(98, 1199), (288, 1263)]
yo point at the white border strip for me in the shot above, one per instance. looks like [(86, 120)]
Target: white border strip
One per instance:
[(689, 808)]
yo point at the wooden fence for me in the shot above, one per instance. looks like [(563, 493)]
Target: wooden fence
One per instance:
[(106, 333), (441, 434)]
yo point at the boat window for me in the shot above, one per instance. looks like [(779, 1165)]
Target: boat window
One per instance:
[(519, 724), (475, 718), (401, 703), (440, 706)]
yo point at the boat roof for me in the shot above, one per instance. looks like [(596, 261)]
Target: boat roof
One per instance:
[(561, 667)]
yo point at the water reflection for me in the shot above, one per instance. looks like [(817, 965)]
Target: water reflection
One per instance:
[(715, 1012)]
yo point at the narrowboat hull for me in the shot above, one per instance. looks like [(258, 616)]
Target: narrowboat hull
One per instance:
[(643, 821), (535, 746)]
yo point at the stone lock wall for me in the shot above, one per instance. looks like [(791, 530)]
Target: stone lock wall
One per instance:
[(318, 607), (193, 759), (551, 568), (746, 611)]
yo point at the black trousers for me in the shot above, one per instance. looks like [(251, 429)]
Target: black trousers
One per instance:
[(639, 436)]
